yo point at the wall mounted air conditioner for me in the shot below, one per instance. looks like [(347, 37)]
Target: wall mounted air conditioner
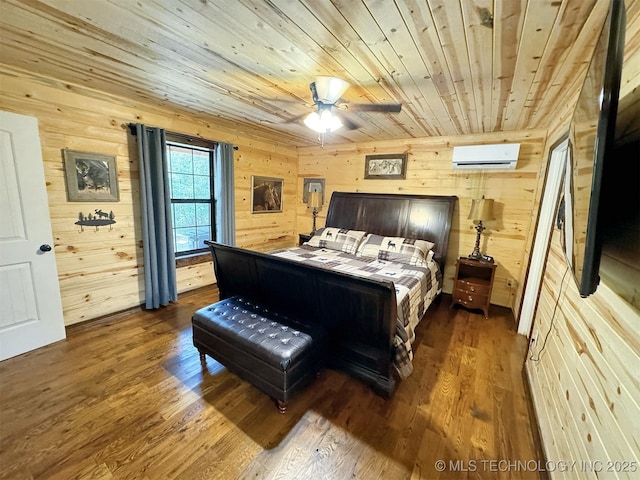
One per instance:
[(503, 156)]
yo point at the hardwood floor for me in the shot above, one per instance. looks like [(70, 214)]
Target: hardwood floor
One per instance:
[(127, 398)]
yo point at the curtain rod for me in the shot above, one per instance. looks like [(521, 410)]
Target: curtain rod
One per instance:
[(132, 129)]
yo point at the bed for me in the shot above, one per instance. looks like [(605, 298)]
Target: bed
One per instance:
[(369, 304), (415, 287)]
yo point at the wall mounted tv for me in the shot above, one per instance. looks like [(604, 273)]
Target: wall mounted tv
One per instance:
[(591, 142)]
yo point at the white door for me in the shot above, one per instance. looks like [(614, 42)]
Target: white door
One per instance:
[(543, 235), (30, 305)]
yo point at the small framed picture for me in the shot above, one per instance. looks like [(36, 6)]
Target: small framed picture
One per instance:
[(386, 166), (266, 194), (91, 177)]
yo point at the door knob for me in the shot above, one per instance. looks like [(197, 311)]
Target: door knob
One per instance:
[(45, 248)]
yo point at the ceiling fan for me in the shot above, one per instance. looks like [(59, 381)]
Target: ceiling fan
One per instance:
[(331, 115)]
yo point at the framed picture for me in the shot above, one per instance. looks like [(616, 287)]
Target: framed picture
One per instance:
[(266, 194), (91, 177), (312, 185), (386, 166)]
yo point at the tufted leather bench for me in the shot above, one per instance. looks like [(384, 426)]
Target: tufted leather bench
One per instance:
[(276, 354)]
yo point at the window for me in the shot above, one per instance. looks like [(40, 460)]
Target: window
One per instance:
[(191, 187)]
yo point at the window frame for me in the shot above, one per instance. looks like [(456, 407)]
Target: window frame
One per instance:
[(188, 257)]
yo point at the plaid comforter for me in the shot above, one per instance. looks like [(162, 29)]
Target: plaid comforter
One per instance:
[(416, 287)]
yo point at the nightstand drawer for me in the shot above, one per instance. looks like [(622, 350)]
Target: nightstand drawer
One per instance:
[(472, 286), (470, 300)]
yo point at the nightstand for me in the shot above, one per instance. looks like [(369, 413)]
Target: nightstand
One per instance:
[(304, 237), (473, 283)]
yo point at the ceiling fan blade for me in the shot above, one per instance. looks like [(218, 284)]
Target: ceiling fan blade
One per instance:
[(346, 121), (375, 107)]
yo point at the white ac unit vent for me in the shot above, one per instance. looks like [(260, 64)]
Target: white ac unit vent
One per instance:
[(503, 156)]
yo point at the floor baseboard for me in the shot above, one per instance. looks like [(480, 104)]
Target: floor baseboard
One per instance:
[(110, 317), (533, 415)]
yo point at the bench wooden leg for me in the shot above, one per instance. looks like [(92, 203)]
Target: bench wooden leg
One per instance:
[(203, 358), (282, 406)]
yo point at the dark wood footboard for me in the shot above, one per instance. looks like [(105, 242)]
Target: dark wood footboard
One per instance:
[(359, 313)]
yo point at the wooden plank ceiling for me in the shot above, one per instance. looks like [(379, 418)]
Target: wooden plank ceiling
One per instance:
[(457, 66)]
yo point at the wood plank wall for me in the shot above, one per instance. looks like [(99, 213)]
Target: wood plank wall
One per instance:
[(101, 272), (72, 117), (429, 171), (585, 381)]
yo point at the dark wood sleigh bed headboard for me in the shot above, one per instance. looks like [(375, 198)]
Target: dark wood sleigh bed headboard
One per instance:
[(424, 217)]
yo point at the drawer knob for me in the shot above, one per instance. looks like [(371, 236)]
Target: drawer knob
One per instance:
[(473, 289), (470, 298)]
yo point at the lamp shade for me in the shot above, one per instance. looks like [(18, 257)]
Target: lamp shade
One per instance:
[(330, 89), (323, 122), (315, 200), (481, 209)]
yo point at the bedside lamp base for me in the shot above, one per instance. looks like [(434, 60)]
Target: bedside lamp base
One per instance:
[(476, 255)]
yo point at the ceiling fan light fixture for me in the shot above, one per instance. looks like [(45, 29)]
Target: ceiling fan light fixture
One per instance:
[(330, 89), (324, 122)]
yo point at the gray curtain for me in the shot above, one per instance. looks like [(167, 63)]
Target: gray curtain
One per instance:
[(225, 195), (157, 236)]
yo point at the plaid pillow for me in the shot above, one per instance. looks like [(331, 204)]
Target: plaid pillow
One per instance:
[(397, 249), (406, 250), (370, 246), (339, 239)]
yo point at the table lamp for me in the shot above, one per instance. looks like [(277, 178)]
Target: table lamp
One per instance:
[(315, 202), (481, 210)]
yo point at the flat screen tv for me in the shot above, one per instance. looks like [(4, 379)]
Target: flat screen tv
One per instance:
[(591, 142)]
